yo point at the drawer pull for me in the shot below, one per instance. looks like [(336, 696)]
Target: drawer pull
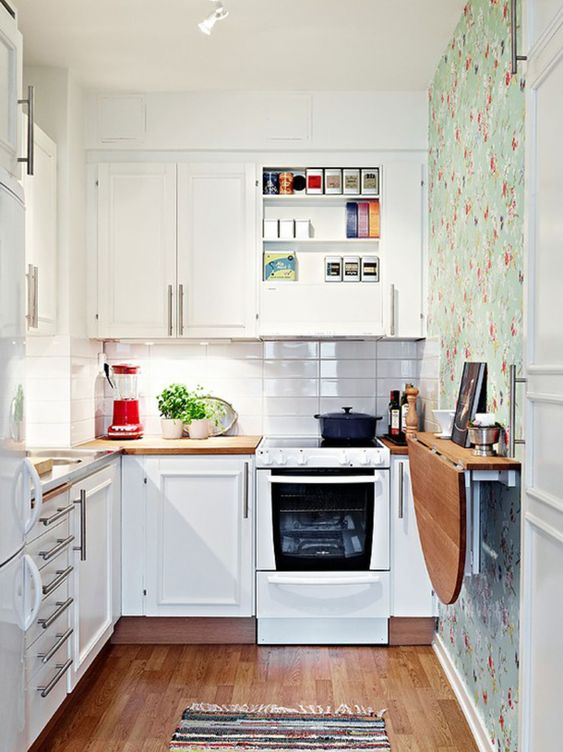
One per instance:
[(61, 639), (61, 511), (48, 688), (62, 543), (359, 579), (62, 574), (62, 607)]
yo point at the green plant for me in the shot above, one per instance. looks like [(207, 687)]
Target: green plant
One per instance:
[(196, 406), (173, 401)]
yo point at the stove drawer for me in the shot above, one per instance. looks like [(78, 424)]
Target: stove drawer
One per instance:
[(330, 595)]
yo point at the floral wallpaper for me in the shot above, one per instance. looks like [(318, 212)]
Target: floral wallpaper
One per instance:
[(476, 202)]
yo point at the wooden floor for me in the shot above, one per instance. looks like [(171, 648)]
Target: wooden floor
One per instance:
[(139, 692)]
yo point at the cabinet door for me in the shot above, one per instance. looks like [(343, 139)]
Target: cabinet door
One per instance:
[(41, 232), (94, 499), (136, 250), (10, 88), (216, 250), (411, 588), (199, 559), (402, 248)]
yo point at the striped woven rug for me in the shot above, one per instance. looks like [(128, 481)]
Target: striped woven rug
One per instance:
[(270, 728)]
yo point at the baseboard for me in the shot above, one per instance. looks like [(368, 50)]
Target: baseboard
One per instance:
[(417, 630), (180, 630), (466, 702)]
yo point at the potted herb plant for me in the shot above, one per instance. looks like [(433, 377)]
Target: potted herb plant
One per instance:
[(196, 414), (172, 405)]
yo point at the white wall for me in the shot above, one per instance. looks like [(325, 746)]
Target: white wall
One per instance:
[(276, 387)]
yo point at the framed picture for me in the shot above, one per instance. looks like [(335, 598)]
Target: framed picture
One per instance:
[(351, 182), (333, 181), (370, 181), (315, 182), (472, 399)]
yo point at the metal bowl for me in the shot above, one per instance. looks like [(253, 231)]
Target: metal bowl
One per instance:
[(483, 438)]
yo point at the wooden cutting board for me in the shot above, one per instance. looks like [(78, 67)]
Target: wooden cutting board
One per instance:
[(43, 465), (440, 504)]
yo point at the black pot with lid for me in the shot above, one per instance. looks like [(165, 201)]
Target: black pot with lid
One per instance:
[(347, 425)]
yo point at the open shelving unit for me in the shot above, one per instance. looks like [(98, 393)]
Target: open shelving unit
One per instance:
[(310, 305)]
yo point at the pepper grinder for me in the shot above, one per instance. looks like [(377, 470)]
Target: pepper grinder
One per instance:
[(412, 416)]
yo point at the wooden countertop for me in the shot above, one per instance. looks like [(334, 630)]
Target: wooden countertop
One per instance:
[(395, 449), (158, 445), (465, 457)]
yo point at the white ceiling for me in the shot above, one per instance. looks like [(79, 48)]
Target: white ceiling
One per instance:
[(263, 44)]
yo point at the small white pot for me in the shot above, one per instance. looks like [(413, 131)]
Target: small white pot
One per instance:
[(199, 429), (172, 428)]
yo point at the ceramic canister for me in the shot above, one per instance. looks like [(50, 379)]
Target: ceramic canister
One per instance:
[(286, 182), (271, 183)]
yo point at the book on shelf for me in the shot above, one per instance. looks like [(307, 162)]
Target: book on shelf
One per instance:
[(351, 219), (280, 266), (363, 219), (374, 219)]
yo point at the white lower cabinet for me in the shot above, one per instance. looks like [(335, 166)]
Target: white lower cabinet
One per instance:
[(95, 500), (197, 553), (412, 594)]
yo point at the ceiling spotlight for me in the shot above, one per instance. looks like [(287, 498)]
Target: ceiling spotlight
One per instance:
[(219, 13)]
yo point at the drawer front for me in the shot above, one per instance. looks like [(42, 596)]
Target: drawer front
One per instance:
[(342, 595), (44, 652), (48, 546), (53, 614), (57, 506), (46, 690)]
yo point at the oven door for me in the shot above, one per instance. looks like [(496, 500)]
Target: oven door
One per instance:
[(323, 520)]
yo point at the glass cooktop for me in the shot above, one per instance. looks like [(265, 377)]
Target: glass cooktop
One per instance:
[(314, 442)]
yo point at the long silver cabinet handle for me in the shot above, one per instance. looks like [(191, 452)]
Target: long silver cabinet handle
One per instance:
[(62, 543), (170, 327), (62, 575), (61, 639), (48, 688), (30, 276), (30, 102), (515, 57), (62, 607), (82, 546), (392, 310), (181, 309), (512, 440), (245, 490), (401, 490), (36, 297), (60, 513)]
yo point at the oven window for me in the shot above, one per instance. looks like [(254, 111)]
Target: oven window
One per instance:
[(322, 525)]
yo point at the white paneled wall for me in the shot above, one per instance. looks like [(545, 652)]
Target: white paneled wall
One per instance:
[(61, 384), (429, 382), (276, 387)]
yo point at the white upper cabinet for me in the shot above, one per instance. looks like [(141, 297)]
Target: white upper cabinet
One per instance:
[(40, 192), (402, 248), (10, 88), (216, 242), (136, 250)]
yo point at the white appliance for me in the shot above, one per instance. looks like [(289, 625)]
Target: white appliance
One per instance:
[(323, 534), (18, 513)]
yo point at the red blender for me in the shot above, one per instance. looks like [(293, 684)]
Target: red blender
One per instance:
[(126, 422)]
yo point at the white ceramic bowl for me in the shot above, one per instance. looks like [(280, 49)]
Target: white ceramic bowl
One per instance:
[(446, 419)]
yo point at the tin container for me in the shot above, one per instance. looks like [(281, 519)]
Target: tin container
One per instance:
[(271, 183), (484, 438), (286, 183)]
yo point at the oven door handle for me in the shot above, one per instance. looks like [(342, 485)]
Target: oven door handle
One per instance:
[(358, 579), (326, 480)]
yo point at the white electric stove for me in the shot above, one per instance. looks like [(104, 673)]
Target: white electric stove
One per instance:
[(322, 542)]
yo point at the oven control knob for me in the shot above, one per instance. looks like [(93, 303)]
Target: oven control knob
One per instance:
[(301, 459), (343, 458), (281, 459), (266, 459), (365, 459)]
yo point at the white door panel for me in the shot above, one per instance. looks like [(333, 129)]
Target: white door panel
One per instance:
[(541, 678), (136, 249), (12, 698), (10, 88)]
